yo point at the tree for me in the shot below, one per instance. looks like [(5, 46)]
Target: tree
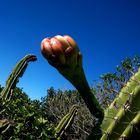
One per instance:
[(111, 83)]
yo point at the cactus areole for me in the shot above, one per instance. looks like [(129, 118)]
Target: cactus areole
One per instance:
[(62, 52)]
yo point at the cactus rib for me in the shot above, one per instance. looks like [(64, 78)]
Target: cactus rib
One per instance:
[(127, 107), (131, 128)]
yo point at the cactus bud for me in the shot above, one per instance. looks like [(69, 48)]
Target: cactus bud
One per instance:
[(60, 50), (63, 53)]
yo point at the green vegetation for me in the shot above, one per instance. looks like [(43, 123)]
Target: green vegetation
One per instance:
[(21, 118), (65, 115)]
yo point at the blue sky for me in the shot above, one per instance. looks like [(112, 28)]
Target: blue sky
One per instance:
[(106, 31)]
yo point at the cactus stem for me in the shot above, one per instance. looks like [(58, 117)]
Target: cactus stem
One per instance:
[(131, 127), (14, 76), (65, 122)]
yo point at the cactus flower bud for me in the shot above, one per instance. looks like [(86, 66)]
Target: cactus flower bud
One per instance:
[(60, 50), (63, 53)]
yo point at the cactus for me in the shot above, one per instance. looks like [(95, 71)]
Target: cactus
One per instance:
[(14, 76), (11, 82), (133, 127), (63, 53), (121, 120), (123, 110), (65, 122), (5, 96)]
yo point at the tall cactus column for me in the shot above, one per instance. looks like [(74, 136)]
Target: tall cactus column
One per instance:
[(63, 53), (122, 116), (14, 76)]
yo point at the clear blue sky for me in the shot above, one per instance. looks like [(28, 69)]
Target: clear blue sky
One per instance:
[(106, 31)]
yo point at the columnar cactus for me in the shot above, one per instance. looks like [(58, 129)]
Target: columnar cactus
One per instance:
[(14, 76), (120, 114)]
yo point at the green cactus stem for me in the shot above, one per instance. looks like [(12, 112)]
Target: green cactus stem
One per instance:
[(124, 95), (132, 130), (63, 53), (14, 76), (65, 122), (78, 79), (123, 110)]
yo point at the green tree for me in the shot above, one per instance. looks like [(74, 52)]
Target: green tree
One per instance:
[(111, 83)]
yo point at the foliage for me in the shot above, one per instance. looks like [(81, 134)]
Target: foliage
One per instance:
[(111, 83), (58, 102), (22, 119)]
